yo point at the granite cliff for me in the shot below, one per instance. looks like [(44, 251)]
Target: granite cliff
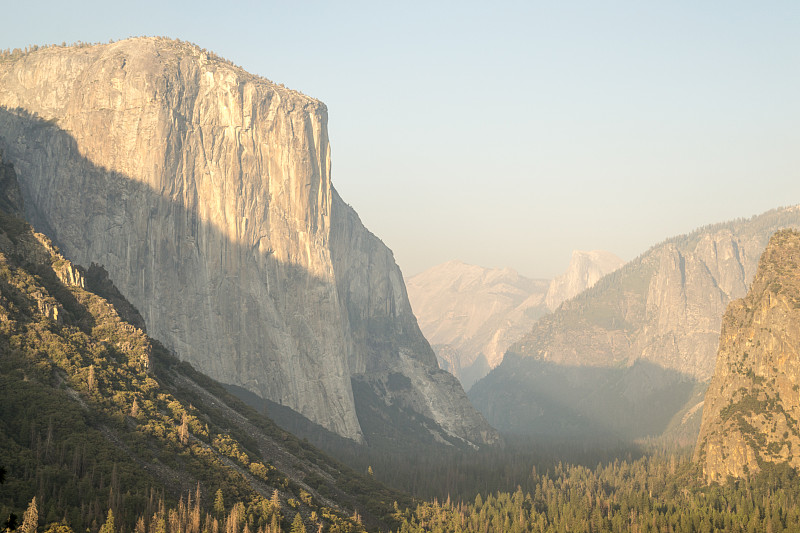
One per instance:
[(471, 314), (584, 270), (752, 406), (645, 335), (205, 193)]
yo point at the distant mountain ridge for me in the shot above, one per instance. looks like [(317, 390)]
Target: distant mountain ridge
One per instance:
[(662, 310), (472, 314), (469, 312), (752, 407)]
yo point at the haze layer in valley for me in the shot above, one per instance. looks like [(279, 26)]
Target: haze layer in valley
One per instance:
[(471, 314), (630, 357)]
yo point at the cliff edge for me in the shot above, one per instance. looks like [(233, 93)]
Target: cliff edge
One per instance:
[(205, 193)]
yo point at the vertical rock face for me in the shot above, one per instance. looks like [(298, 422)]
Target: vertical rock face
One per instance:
[(663, 309), (666, 306), (752, 405), (585, 269), (205, 193)]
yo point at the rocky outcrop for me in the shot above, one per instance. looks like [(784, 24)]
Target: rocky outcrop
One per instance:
[(584, 270), (205, 193), (471, 314), (752, 406), (664, 308)]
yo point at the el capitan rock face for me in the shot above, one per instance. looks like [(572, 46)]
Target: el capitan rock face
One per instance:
[(752, 405), (205, 193)]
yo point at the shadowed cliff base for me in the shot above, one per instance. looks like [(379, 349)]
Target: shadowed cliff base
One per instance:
[(595, 405), (391, 429), (293, 364), (399, 460)]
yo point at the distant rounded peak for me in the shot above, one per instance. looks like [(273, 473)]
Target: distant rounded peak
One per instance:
[(455, 263), (456, 270), (502, 273), (457, 266), (456, 275), (603, 258), (595, 253)]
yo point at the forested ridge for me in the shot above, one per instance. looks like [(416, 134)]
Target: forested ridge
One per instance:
[(101, 428)]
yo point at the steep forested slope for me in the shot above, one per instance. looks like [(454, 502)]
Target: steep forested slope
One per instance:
[(96, 416)]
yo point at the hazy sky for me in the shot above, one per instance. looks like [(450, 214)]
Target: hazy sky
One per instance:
[(510, 135)]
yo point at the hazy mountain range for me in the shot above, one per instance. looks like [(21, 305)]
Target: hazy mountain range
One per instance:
[(471, 314), (631, 356)]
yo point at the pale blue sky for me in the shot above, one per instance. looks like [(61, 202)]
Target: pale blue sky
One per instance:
[(511, 134)]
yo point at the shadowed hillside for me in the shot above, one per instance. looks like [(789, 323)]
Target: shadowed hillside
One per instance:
[(96, 416)]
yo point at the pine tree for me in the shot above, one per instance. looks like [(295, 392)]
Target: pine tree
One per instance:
[(108, 526), (184, 432), (90, 379), (297, 525), (219, 504), (30, 520), (275, 501), (135, 409)]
